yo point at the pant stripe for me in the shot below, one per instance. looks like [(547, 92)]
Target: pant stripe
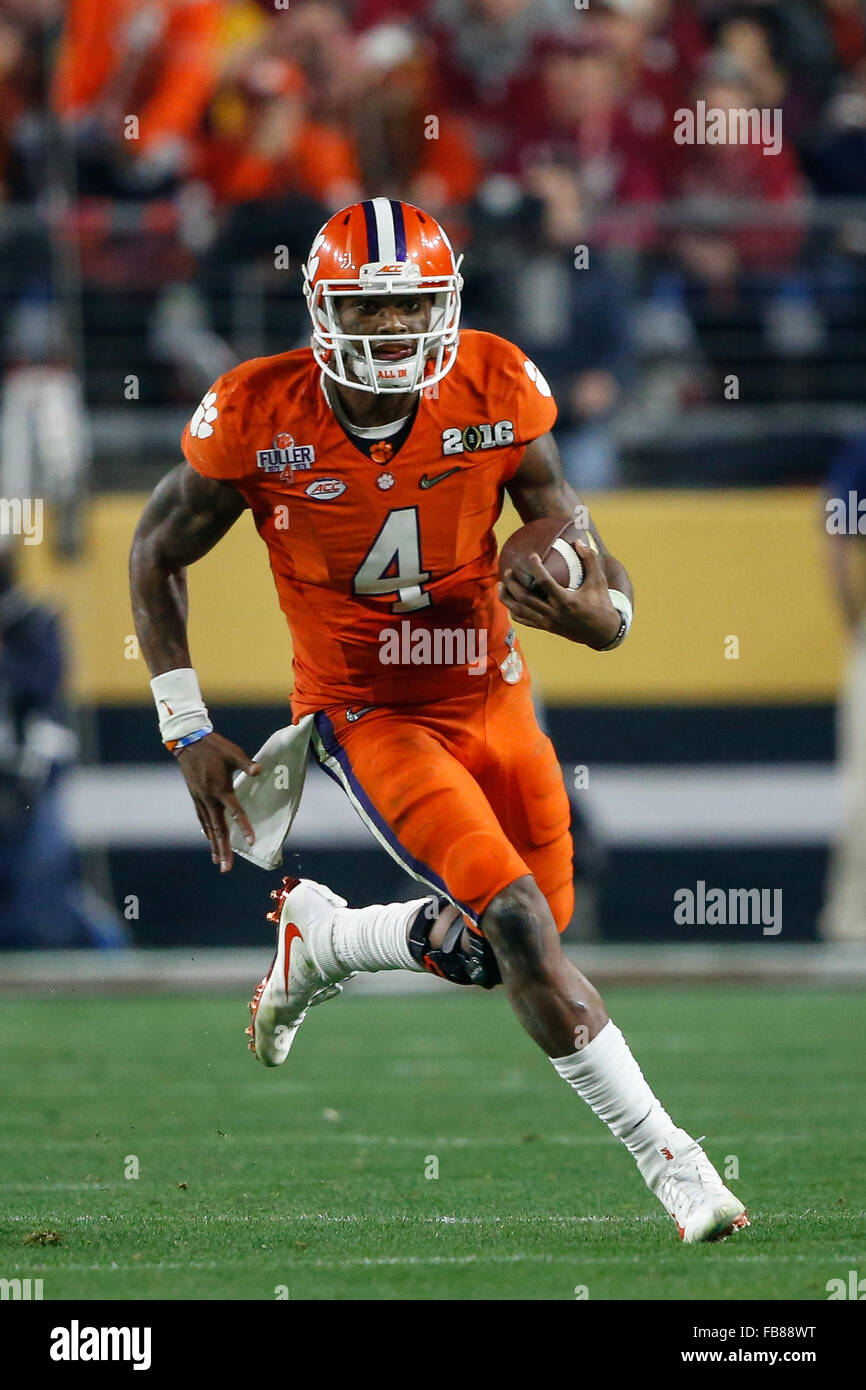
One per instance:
[(335, 761)]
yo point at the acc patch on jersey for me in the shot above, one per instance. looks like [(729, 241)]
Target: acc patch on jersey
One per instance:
[(325, 489)]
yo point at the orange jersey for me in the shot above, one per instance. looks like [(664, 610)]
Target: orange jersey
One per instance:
[(321, 164), (386, 570), (165, 74)]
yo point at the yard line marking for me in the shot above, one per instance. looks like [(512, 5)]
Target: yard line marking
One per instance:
[(409, 1219), (577, 1260), (317, 1264), (62, 1186), (331, 1134)]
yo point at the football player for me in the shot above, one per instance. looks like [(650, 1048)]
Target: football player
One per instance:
[(374, 464)]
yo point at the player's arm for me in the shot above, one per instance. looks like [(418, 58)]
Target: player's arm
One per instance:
[(184, 519), (538, 489)]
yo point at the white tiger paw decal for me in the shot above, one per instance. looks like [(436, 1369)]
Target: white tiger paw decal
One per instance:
[(201, 424), (537, 377)]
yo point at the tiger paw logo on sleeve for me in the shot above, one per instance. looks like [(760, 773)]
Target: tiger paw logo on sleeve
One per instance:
[(202, 422)]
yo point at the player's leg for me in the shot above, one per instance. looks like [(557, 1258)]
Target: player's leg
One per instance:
[(564, 1014), (423, 806), (429, 812), (521, 777), (556, 1004), (320, 942), (408, 780)]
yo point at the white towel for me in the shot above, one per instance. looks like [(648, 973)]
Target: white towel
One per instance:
[(271, 799)]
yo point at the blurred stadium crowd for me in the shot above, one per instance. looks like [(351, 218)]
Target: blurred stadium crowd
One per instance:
[(700, 309), (154, 157)]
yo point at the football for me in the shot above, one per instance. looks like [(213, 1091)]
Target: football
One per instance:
[(551, 539)]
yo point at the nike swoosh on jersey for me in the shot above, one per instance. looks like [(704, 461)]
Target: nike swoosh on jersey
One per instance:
[(431, 482), (353, 714)]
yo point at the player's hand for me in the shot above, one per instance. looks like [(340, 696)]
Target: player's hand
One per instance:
[(207, 767), (582, 615)]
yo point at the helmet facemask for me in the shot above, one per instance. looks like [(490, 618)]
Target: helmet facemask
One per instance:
[(349, 358)]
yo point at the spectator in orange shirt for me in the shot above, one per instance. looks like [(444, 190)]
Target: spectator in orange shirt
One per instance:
[(275, 147), (318, 37), (275, 175), (409, 146), (154, 60)]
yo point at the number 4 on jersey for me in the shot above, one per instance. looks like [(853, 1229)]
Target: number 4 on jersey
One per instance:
[(392, 565)]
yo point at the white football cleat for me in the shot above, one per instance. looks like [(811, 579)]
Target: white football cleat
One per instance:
[(694, 1194), (294, 982)]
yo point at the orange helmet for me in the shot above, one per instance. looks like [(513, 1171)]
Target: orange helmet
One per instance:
[(378, 247)]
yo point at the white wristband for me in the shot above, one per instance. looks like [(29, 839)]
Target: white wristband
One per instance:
[(179, 704), (622, 604)]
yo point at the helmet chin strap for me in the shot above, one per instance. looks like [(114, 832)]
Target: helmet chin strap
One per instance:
[(358, 366)]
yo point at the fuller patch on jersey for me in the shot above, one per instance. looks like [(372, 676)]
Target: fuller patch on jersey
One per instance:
[(285, 455)]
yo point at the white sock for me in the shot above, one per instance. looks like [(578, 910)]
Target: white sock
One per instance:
[(370, 938), (607, 1077)]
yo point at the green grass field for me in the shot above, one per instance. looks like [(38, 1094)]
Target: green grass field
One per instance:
[(312, 1177)]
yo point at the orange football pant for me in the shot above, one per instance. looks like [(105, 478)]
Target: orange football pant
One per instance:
[(465, 793)]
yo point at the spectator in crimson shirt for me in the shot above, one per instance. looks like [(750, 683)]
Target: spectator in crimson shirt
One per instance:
[(715, 252), (580, 128), (659, 46), (486, 58), (846, 22), (367, 13), (748, 39)]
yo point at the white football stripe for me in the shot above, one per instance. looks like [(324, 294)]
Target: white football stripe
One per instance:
[(385, 229), (572, 560)]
